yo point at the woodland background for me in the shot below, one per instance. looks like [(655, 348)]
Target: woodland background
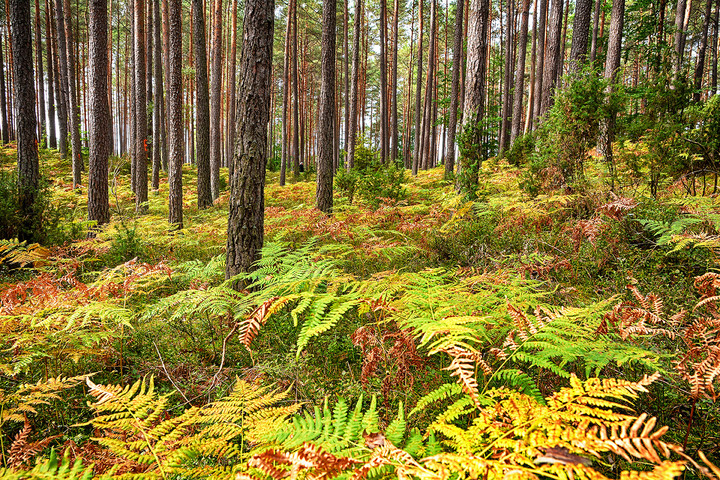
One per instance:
[(480, 239)]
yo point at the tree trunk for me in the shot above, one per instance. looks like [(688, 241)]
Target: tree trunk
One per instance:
[(52, 137), (394, 86), (581, 28), (507, 95), (27, 153), (63, 82), (700, 66), (596, 18), (140, 120), (533, 61), (520, 73), (286, 127), (159, 98), (612, 65), (215, 101), (553, 57), (247, 192), (418, 95), (455, 90), (426, 152), (326, 113), (352, 135), (41, 75), (679, 34), (231, 100), (540, 67), (175, 114), (99, 122), (474, 103), (78, 164), (295, 152), (3, 102), (202, 112), (149, 94), (346, 58), (716, 47), (383, 83)]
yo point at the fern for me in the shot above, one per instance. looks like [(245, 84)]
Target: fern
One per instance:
[(53, 468)]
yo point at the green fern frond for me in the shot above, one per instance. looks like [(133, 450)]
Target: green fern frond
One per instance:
[(443, 392)]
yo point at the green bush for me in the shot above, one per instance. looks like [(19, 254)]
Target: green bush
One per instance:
[(371, 179)]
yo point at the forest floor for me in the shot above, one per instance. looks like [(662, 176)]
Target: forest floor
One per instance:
[(538, 291)]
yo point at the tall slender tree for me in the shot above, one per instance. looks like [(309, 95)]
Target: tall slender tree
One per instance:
[(581, 29), (73, 97), (394, 85), (247, 189), (612, 66), (215, 100), (519, 85), (62, 80), (455, 90), (175, 118), (354, 86), (540, 64), (326, 113), (232, 87), (202, 108), (702, 49), (475, 93), (3, 101), (40, 74), (99, 122), (418, 94), (552, 55), (52, 138), (140, 102), (158, 117), (28, 165)]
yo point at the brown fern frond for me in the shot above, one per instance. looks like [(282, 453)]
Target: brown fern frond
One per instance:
[(463, 367), (618, 208), (629, 440), (310, 458), (250, 327), (22, 451)]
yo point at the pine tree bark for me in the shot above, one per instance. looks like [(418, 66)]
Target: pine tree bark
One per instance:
[(61, 56), (455, 90), (215, 101), (702, 49), (3, 102), (581, 29), (159, 98), (202, 107), (41, 75), (418, 95), (326, 113), (149, 93), (716, 47), (175, 117), (232, 95), (540, 64), (679, 34), (295, 151), (346, 64), (27, 154), (99, 121), (596, 21), (140, 119), (474, 103), (394, 86), (520, 73), (247, 191), (552, 57), (78, 164), (354, 104), (286, 101), (507, 96), (383, 83), (52, 137), (612, 66)]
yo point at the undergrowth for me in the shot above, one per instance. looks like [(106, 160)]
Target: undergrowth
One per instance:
[(572, 334)]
